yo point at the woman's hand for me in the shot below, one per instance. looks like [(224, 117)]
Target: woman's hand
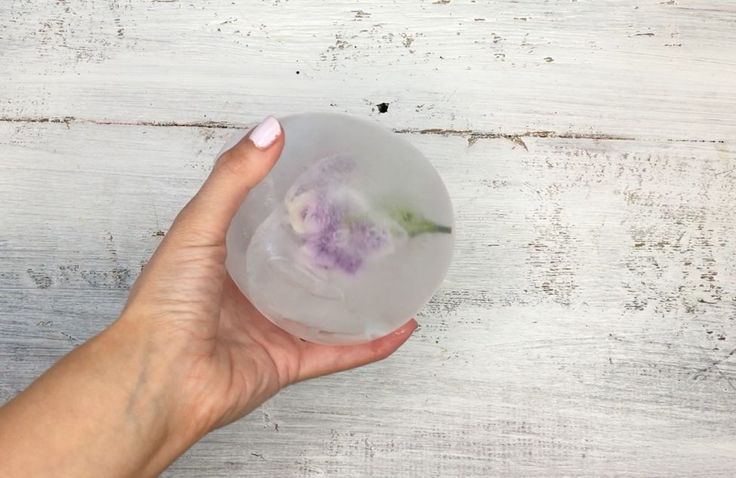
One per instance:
[(230, 357), (188, 354)]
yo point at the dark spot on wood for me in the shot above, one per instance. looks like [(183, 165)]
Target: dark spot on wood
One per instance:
[(382, 107), (360, 14), (70, 337), (494, 184), (121, 277), (519, 141), (41, 280), (116, 278)]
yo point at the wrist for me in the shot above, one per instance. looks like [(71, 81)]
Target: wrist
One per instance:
[(151, 386), (106, 409)]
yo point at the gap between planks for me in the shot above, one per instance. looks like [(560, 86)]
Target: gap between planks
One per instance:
[(471, 135)]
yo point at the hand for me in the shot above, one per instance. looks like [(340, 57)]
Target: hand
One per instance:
[(229, 357), (188, 354)]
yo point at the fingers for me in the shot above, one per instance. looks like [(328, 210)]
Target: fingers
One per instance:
[(207, 216), (320, 360)]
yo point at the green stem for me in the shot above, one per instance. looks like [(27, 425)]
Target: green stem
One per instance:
[(414, 224)]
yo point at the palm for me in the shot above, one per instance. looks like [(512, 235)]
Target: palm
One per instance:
[(259, 358), (251, 358)]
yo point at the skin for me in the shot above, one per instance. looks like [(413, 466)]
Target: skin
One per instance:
[(187, 355)]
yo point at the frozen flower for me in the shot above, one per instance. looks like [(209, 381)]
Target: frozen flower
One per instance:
[(338, 229)]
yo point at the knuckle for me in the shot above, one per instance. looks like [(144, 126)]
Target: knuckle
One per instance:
[(233, 163)]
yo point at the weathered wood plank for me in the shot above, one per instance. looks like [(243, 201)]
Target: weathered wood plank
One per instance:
[(658, 69), (587, 326)]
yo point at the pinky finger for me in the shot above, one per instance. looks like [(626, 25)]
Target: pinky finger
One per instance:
[(317, 360)]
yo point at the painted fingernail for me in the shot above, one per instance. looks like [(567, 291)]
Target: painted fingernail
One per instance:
[(407, 328), (266, 133)]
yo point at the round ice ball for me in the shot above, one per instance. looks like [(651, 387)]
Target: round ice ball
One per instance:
[(347, 237)]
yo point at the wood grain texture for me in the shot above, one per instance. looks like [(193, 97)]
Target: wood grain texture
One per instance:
[(587, 326), (655, 69)]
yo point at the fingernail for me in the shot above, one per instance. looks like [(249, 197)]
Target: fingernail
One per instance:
[(266, 133), (407, 328)]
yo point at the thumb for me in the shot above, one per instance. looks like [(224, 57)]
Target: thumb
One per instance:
[(206, 218)]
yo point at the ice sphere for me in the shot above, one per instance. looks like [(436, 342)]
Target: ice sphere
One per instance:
[(347, 237)]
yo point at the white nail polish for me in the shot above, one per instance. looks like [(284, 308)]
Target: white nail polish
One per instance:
[(265, 133)]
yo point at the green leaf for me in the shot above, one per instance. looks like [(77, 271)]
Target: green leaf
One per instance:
[(415, 224)]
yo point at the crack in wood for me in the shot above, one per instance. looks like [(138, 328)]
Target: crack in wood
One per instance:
[(472, 135), (515, 137), (172, 124)]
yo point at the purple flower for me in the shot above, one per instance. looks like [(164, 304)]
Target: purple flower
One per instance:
[(328, 254), (313, 212), (345, 246), (337, 227)]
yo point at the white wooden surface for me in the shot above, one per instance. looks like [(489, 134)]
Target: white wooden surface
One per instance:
[(588, 324)]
